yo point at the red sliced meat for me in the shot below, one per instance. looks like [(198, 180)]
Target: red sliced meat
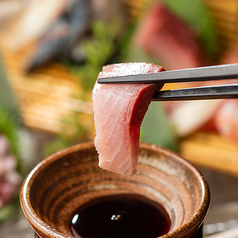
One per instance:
[(118, 113), (168, 39)]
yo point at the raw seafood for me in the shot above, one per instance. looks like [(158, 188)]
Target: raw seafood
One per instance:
[(61, 35), (118, 112), (226, 119), (165, 37), (37, 17), (189, 116)]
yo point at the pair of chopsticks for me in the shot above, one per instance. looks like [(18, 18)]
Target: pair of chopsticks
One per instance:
[(227, 71)]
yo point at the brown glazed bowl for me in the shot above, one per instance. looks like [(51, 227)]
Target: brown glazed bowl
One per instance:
[(69, 178)]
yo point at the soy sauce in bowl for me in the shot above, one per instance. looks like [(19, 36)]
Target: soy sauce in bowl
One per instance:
[(117, 216)]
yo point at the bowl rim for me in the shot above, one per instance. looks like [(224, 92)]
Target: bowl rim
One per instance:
[(39, 225)]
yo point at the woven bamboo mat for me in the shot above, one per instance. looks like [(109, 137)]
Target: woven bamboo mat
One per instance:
[(45, 96), (225, 15)]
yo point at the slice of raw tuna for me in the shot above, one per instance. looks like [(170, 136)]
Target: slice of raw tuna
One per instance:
[(118, 112), (168, 39)]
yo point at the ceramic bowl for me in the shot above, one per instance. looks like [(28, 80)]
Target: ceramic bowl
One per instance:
[(57, 186)]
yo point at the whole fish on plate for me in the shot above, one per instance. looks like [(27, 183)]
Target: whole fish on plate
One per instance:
[(118, 113)]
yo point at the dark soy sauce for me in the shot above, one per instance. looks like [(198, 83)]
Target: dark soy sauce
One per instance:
[(120, 216)]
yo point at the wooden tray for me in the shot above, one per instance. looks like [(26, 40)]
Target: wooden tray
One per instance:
[(211, 151)]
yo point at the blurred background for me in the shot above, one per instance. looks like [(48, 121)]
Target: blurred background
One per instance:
[(51, 52)]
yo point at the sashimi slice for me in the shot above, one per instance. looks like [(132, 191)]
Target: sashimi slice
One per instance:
[(190, 116), (118, 113), (168, 39), (36, 19), (226, 119)]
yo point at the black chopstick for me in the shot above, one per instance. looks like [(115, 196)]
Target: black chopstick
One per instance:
[(199, 93), (226, 71)]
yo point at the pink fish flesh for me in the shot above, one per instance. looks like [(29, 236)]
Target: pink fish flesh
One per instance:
[(168, 39), (118, 113), (226, 119)]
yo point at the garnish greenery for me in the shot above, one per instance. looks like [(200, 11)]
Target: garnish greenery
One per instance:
[(98, 50), (10, 130)]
